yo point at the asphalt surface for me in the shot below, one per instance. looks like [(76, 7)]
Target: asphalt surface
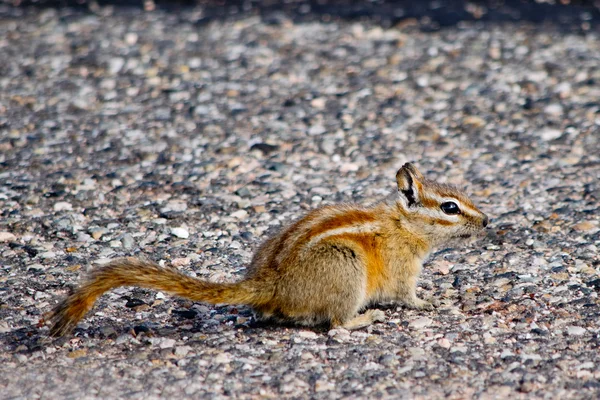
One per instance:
[(188, 134)]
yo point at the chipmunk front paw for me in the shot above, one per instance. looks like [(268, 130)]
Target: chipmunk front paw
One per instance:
[(420, 304)]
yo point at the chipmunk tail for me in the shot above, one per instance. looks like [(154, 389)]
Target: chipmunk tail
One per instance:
[(140, 273)]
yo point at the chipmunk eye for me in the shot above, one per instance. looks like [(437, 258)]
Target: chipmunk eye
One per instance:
[(450, 208)]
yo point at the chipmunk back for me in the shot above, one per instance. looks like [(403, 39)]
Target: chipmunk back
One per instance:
[(322, 269)]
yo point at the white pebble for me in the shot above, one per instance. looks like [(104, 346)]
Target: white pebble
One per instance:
[(416, 352), (40, 295), (180, 232), (576, 330), (240, 214), (553, 109), (131, 38), (322, 385), (5, 327), (175, 206), (506, 353), (307, 335), (223, 358), (48, 255), (316, 130), (115, 65), (163, 343), (182, 351), (349, 167), (421, 323), (339, 334), (180, 261), (549, 134), (7, 237), (63, 206)]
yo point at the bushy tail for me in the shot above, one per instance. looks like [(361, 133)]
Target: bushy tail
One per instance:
[(135, 272)]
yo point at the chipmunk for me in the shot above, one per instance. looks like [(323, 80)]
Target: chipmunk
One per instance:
[(322, 269)]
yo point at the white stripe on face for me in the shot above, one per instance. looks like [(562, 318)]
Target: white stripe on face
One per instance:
[(437, 213), (464, 209)]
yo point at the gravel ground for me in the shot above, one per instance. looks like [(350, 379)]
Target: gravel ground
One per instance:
[(189, 140)]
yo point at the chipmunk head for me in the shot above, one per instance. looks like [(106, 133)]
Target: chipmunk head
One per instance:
[(438, 211)]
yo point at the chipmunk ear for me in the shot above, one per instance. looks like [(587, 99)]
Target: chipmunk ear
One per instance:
[(409, 181)]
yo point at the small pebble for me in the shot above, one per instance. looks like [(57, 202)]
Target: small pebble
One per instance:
[(553, 109), (163, 343), (575, 330), (180, 261), (127, 241), (182, 351), (7, 237), (240, 214), (549, 134), (307, 335), (586, 226), (180, 232), (63, 206), (421, 323)]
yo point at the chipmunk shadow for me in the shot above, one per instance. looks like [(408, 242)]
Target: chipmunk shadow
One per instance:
[(26, 340), (175, 325)]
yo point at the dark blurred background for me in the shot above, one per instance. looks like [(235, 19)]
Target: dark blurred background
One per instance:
[(438, 13)]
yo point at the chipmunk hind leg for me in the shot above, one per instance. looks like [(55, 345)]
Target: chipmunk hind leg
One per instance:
[(326, 285)]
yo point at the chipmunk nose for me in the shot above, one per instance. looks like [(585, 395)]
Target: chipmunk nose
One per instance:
[(485, 221)]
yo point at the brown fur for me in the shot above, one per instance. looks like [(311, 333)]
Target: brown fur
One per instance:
[(324, 268)]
